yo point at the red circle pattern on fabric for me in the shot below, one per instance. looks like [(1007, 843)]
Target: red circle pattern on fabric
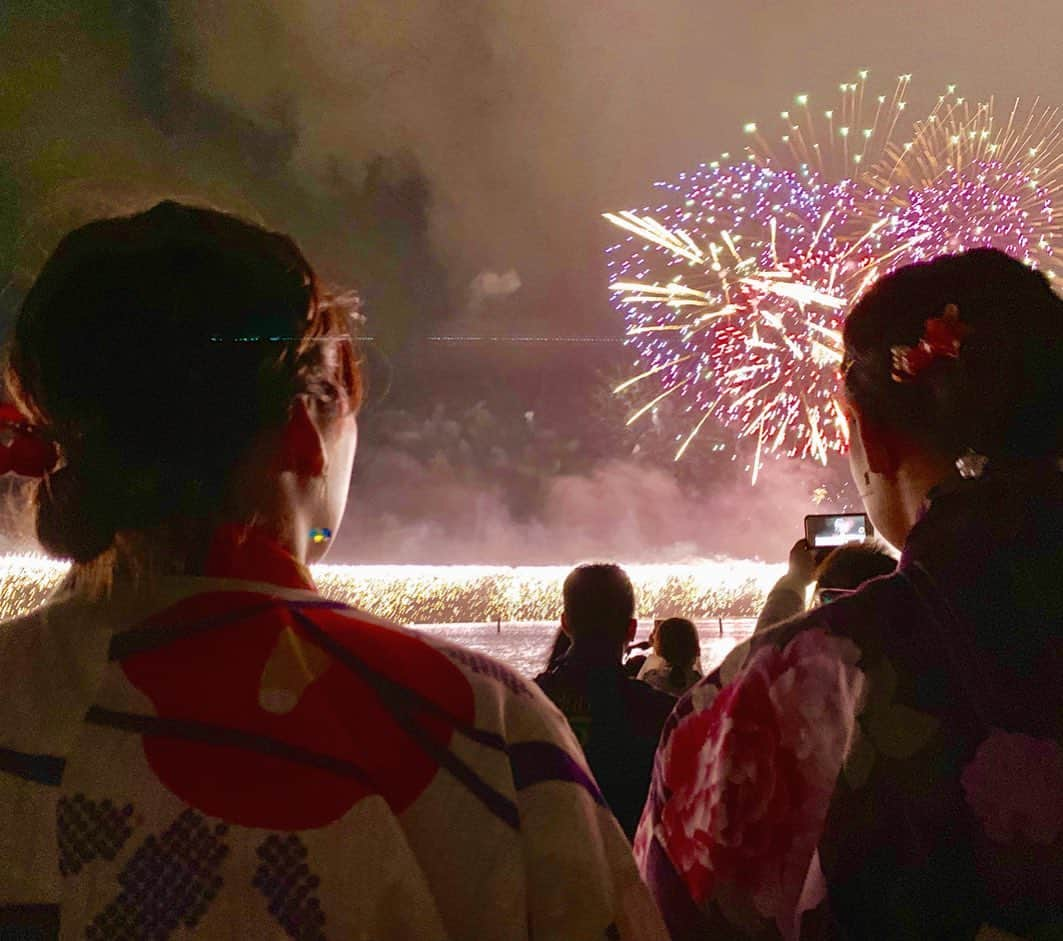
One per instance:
[(213, 677)]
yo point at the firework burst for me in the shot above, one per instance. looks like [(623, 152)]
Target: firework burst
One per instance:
[(734, 288)]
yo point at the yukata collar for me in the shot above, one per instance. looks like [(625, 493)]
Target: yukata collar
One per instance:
[(966, 510), (249, 553)]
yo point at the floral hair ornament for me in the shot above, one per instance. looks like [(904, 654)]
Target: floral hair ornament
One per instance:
[(23, 448), (971, 464), (942, 338)]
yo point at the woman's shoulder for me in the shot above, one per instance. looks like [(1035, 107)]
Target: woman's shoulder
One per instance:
[(660, 678), (483, 671), (411, 659), (866, 618), (63, 623), (358, 641), (52, 659)]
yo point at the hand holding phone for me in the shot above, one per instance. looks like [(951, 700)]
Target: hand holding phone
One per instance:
[(802, 562), (828, 530)]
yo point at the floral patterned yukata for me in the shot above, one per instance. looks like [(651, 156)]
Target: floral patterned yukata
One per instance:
[(889, 765), (234, 756)]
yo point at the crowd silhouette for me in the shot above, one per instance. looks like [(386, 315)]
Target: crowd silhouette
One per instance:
[(194, 742)]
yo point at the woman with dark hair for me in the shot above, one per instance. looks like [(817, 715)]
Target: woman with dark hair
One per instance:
[(890, 765), (192, 739), (676, 643), (847, 567)]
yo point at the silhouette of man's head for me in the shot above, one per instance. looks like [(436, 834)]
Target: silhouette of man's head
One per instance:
[(599, 606)]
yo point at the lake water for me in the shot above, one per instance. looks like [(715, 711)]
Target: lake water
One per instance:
[(525, 645)]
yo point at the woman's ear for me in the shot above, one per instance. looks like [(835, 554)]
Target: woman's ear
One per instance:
[(883, 450), (301, 448)]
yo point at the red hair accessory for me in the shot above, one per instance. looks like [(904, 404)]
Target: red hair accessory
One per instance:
[(23, 449), (942, 339)]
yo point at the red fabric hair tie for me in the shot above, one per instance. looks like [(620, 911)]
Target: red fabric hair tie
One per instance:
[(23, 449), (942, 338)]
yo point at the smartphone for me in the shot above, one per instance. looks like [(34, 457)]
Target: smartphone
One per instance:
[(836, 529)]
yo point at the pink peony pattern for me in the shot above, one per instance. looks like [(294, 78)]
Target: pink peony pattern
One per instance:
[(749, 779), (1014, 786)]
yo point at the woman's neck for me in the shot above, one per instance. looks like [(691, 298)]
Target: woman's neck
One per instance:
[(913, 481), (249, 551)]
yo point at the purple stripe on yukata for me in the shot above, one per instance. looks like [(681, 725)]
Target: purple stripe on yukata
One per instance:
[(29, 922), (402, 702), (141, 639), (41, 769), (535, 762), (222, 736)]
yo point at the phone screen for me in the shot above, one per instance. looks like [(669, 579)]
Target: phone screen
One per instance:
[(829, 530)]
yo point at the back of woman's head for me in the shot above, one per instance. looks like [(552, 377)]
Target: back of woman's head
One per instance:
[(848, 567), (156, 350), (1002, 396), (677, 642)]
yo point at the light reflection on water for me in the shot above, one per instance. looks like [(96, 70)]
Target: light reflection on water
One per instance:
[(525, 645)]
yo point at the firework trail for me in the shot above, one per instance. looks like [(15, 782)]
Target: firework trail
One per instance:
[(734, 288)]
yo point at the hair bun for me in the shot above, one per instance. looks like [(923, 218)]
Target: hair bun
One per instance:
[(962, 352), (159, 349), (67, 525)]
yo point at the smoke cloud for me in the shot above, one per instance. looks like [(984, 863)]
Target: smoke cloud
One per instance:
[(492, 284), (403, 511), (530, 119), (526, 120)]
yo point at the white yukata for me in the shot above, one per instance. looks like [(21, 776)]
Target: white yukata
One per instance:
[(216, 757)]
